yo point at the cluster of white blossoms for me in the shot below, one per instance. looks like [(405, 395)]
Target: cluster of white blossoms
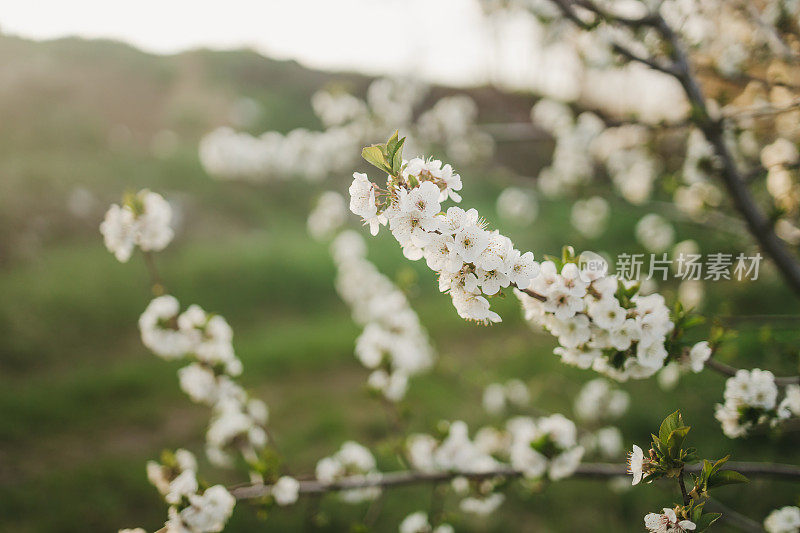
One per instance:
[(498, 396), (458, 453), (751, 400), (349, 122), (472, 262), (237, 421), (451, 125), (607, 442), (352, 461), (285, 491), (545, 446), (418, 523), (584, 143), (190, 511), (231, 155), (601, 324), (655, 233), (142, 220), (599, 400), (393, 343), (633, 168), (327, 216), (572, 163), (667, 522), (517, 206), (540, 448), (590, 216), (783, 520)]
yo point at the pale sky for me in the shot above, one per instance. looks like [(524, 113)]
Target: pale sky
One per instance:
[(446, 41)]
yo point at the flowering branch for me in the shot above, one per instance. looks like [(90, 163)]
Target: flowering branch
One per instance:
[(413, 477), (758, 223)]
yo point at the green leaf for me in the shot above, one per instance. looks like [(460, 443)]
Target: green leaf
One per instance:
[(374, 156), (670, 424), (697, 512), (726, 477), (694, 320), (707, 469), (393, 140), (675, 440), (652, 476), (397, 157), (705, 521), (716, 466)]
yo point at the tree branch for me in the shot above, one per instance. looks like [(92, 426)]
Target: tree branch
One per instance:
[(728, 370), (584, 471), (758, 224)]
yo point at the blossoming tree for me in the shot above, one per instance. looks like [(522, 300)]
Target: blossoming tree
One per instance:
[(713, 97)]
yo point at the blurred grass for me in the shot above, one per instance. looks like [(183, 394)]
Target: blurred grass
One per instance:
[(83, 405)]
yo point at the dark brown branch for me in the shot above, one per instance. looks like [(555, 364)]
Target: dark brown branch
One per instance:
[(535, 295), (682, 485), (584, 471), (758, 224), (649, 61)]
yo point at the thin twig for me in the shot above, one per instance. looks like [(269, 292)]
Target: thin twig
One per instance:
[(728, 370), (535, 295), (156, 284), (759, 225), (762, 110)]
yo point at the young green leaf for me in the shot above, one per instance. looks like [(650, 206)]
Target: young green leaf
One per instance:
[(705, 521), (670, 424), (397, 157), (675, 441), (726, 477), (375, 156)]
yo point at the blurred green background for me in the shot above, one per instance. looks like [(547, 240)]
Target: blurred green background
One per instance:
[(83, 404)]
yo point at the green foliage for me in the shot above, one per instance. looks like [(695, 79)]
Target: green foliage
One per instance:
[(387, 157), (701, 519), (669, 459)]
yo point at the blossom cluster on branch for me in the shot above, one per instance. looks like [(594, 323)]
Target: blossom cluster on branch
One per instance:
[(191, 510), (205, 341), (449, 124), (751, 401), (541, 448), (142, 220), (394, 345), (472, 262)]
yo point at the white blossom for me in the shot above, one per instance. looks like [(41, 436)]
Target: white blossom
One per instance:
[(636, 464), (667, 522), (783, 520), (285, 490), (352, 460), (143, 220), (698, 355), (393, 344), (750, 399), (471, 261)]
